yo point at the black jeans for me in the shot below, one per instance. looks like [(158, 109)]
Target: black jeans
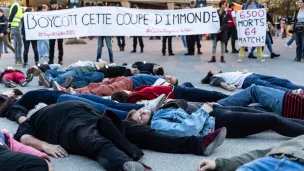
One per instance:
[(10, 160), (60, 49), (232, 32), (165, 38), (241, 122), (141, 43), (26, 50), (197, 95), (191, 40), (121, 41)]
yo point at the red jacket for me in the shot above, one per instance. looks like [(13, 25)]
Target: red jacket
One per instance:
[(230, 19), (146, 92)]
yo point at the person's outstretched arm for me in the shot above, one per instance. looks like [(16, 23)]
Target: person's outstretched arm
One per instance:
[(219, 82), (232, 163)]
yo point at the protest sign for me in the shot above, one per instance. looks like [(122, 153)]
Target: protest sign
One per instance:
[(251, 27), (118, 21)]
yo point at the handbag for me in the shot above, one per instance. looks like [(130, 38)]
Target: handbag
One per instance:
[(299, 28)]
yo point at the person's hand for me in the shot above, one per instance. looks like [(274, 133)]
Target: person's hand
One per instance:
[(219, 31), (207, 108), (49, 165), (206, 165), (55, 150), (231, 87), (1, 34)]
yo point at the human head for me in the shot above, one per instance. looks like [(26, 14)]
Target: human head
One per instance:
[(54, 4), (15, 93), (1, 13), (184, 6), (141, 116), (40, 7), (158, 70), (300, 3), (192, 4), (231, 5), (120, 96), (134, 6), (206, 80), (265, 6), (223, 4), (28, 9), (171, 79)]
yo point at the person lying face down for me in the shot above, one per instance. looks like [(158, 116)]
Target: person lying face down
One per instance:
[(77, 128), (177, 92), (10, 76), (232, 80), (181, 118)]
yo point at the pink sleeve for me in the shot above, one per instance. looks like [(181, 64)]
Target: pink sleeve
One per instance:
[(19, 147)]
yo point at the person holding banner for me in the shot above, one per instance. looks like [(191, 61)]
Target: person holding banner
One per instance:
[(299, 31), (4, 33), (15, 16), (54, 6), (108, 40), (222, 33), (232, 32), (140, 39), (250, 5)]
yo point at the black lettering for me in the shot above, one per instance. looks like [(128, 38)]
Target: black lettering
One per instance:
[(176, 17), (132, 19), (250, 21), (168, 19), (83, 19), (47, 22), (51, 20), (54, 22), (262, 22), (92, 19), (199, 17), (145, 19), (108, 19), (189, 21), (128, 15), (182, 17), (214, 16), (157, 21), (117, 20), (33, 18)]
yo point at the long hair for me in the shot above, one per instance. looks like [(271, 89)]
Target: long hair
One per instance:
[(206, 80)]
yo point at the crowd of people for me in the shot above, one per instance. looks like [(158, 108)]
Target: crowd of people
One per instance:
[(110, 113)]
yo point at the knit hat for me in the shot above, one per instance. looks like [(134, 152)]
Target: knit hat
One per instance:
[(100, 64), (53, 2)]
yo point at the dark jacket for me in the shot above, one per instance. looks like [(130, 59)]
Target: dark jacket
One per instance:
[(116, 71), (257, 4), (223, 36), (3, 27), (294, 22), (22, 28)]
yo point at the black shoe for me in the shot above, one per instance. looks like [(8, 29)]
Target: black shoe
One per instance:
[(199, 52), (227, 51), (68, 82), (235, 51), (171, 54), (212, 60), (273, 55), (8, 83), (60, 62), (133, 51), (251, 56), (142, 50), (297, 60), (44, 80), (50, 62), (164, 54), (246, 49), (222, 59), (189, 54), (121, 49)]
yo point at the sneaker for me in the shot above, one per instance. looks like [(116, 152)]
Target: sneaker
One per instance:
[(57, 87), (262, 60), (71, 91), (25, 65), (33, 70), (19, 63), (8, 83), (297, 91), (288, 46), (68, 82), (213, 140), (240, 60), (156, 103), (44, 80), (265, 55), (135, 166), (29, 78), (23, 83)]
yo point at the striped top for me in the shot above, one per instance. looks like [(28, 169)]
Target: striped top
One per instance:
[(293, 106)]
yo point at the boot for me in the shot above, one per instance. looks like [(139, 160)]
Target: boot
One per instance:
[(51, 62), (134, 49), (142, 50), (8, 83), (199, 52), (251, 56), (222, 59), (274, 55), (212, 60), (123, 48)]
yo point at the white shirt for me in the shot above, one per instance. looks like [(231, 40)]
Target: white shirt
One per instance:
[(234, 78)]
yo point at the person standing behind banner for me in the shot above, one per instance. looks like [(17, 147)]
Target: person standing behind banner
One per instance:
[(192, 39), (15, 16), (4, 33), (43, 45), (232, 32), (54, 6), (250, 5), (222, 33), (140, 39), (299, 31), (27, 44)]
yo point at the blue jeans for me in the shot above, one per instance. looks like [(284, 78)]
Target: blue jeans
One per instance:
[(83, 80), (271, 163), (299, 37), (268, 97), (16, 32), (43, 48), (109, 46), (120, 109), (184, 41), (197, 95), (269, 81), (268, 43), (59, 76), (290, 41)]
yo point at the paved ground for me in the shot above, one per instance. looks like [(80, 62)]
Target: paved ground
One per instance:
[(185, 68)]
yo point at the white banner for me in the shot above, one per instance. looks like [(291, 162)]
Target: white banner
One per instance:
[(118, 21), (251, 27)]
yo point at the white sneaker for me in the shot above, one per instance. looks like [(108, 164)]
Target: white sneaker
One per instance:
[(240, 60), (156, 103), (262, 60), (265, 55), (70, 90)]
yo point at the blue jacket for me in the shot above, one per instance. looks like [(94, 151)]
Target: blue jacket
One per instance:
[(178, 123), (245, 6)]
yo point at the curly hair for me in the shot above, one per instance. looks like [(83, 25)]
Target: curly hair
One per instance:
[(222, 2)]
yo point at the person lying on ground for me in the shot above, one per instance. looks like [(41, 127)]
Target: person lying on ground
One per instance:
[(17, 111), (285, 104), (77, 128), (176, 92), (10, 76), (17, 156), (148, 68), (109, 86), (180, 118), (232, 80), (286, 156)]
